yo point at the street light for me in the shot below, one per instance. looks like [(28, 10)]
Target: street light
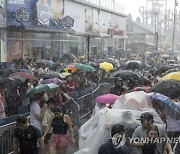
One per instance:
[(174, 25)]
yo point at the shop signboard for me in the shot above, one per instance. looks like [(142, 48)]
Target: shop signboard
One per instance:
[(67, 21), (21, 12)]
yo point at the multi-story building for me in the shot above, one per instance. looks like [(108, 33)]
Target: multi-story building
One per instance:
[(47, 29)]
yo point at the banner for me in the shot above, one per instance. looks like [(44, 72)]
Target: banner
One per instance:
[(21, 12)]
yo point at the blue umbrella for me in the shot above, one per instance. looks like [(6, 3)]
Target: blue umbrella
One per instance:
[(166, 101)]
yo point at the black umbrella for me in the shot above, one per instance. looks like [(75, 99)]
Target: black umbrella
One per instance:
[(4, 80), (50, 75), (133, 64), (169, 88), (12, 84), (164, 68), (125, 75), (7, 71)]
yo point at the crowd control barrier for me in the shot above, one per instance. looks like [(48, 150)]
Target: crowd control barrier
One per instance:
[(79, 108)]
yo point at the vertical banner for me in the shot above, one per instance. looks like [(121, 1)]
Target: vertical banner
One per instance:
[(57, 9), (88, 20), (43, 12)]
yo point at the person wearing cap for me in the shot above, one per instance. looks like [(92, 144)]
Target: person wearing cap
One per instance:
[(117, 89), (26, 137), (141, 133)]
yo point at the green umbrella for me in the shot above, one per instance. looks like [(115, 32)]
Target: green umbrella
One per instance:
[(41, 88), (85, 67)]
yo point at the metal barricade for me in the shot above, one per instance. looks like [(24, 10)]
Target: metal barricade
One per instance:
[(79, 108), (6, 138)]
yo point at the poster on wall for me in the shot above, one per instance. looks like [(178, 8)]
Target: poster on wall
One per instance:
[(57, 9), (88, 20), (43, 12), (2, 12), (21, 12)]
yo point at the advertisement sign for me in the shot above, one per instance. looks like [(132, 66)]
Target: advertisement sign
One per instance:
[(21, 12), (43, 12), (57, 9)]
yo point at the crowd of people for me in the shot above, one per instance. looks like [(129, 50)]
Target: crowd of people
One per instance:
[(49, 123)]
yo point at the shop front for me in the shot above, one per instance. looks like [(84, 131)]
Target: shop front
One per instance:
[(51, 32)]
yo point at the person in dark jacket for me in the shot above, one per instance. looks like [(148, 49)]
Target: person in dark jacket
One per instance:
[(117, 89), (117, 144)]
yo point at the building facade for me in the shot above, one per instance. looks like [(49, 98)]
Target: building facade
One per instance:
[(47, 29)]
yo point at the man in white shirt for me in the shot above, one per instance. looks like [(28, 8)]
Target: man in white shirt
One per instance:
[(36, 113)]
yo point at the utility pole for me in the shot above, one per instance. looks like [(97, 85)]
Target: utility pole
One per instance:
[(174, 25)]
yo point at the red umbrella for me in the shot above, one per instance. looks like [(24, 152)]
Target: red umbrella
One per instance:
[(24, 74), (144, 88), (107, 98)]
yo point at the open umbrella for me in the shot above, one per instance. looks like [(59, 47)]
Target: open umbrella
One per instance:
[(106, 66), (24, 74), (26, 71), (133, 64), (164, 100), (13, 83), (44, 61), (85, 67), (107, 98), (143, 88), (4, 80), (51, 74), (173, 75), (42, 88), (53, 80), (125, 75), (169, 88)]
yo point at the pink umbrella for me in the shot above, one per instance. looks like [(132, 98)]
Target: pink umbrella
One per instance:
[(107, 98)]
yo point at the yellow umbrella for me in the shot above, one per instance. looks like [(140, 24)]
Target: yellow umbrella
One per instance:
[(173, 75), (106, 66)]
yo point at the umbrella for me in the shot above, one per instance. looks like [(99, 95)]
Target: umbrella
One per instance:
[(51, 74), (44, 61), (166, 101), (23, 79), (53, 80), (107, 98), (26, 71), (144, 88), (169, 88), (125, 75), (41, 88), (106, 66), (72, 67), (109, 60), (24, 74), (173, 75), (12, 84), (133, 64), (85, 67), (4, 80), (7, 71)]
